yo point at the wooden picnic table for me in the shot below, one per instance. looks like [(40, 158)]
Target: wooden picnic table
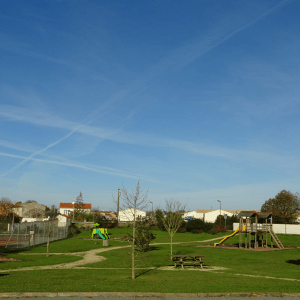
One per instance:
[(184, 259)]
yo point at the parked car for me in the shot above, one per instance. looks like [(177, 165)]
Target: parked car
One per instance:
[(189, 218)]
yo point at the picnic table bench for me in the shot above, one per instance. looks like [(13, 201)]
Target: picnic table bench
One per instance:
[(189, 259)]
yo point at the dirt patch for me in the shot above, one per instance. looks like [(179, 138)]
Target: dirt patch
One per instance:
[(236, 247), (7, 259), (191, 268)]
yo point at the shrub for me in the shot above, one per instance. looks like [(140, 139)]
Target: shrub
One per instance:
[(72, 230), (159, 222), (181, 230), (143, 236)]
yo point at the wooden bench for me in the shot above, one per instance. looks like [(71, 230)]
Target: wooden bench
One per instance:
[(189, 259)]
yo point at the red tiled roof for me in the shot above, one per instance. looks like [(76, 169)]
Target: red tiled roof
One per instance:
[(66, 216), (70, 205)]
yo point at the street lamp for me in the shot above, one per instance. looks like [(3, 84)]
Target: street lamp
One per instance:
[(220, 212), (73, 209), (152, 210)]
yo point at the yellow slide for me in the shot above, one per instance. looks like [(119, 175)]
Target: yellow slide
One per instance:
[(228, 236)]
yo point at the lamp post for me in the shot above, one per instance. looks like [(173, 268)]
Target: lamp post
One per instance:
[(152, 210), (73, 209), (220, 212)]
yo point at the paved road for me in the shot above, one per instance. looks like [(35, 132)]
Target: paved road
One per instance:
[(147, 296)]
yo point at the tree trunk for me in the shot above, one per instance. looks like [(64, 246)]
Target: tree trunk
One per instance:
[(171, 245), (133, 242), (48, 242)]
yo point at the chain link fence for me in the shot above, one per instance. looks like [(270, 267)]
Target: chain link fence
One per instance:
[(24, 235)]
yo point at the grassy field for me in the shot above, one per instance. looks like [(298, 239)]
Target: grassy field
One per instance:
[(238, 270)]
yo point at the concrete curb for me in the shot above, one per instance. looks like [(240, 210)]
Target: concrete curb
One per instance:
[(134, 294)]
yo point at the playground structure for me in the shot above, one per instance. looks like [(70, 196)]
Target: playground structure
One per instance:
[(247, 229), (100, 233)]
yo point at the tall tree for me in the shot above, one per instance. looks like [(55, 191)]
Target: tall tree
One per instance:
[(136, 200), (171, 218), (284, 207), (79, 206)]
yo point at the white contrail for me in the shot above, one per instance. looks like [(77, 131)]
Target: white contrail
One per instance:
[(36, 153), (74, 165)]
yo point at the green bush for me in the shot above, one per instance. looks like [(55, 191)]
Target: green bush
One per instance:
[(143, 236), (198, 226), (72, 230), (159, 221)]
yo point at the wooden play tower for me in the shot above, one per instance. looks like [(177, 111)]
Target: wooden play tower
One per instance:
[(249, 227)]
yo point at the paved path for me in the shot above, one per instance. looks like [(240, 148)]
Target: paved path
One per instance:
[(147, 296), (92, 257), (89, 257)]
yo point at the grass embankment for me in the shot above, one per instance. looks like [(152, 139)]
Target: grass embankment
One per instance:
[(244, 271)]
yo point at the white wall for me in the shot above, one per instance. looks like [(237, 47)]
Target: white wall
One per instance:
[(193, 214), (280, 228), (34, 219), (211, 216), (127, 214)]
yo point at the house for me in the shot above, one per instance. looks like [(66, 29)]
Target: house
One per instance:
[(212, 215), (30, 210), (63, 220), (107, 214), (208, 215), (127, 214), (68, 208), (193, 214)]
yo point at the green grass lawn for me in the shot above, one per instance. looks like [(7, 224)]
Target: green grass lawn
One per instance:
[(37, 260), (242, 270)]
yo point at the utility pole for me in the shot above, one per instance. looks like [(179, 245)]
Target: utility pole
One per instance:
[(220, 213), (152, 212)]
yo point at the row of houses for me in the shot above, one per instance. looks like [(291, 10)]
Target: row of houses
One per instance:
[(34, 210)]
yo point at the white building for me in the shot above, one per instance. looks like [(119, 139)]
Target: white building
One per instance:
[(68, 208), (193, 214), (208, 215), (127, 214), (212, 215)]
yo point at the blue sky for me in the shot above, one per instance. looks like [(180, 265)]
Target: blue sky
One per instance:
[(197, 100)]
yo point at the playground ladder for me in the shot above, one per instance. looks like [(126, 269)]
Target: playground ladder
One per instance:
[(275, 237)]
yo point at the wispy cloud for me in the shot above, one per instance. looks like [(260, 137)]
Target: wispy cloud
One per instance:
[(105, 170), (136, 138), (37, 152)]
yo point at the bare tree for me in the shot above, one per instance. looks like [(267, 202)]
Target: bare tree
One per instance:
[(79, 206), (172, 218), (35, 213), (52, 223), (136, 200)]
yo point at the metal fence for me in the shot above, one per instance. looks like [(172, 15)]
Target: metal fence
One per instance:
[(24, 235)]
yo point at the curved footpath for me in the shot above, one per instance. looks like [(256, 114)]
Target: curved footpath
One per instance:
[(92, 257), (89, 257)]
